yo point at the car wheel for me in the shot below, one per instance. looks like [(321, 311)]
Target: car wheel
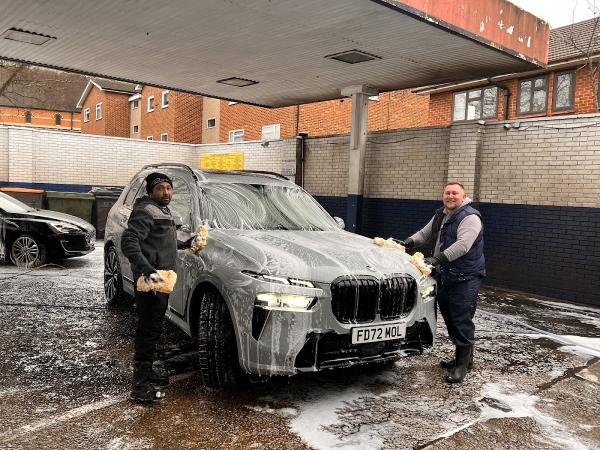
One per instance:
[(28, 251), (113, 280), (217, 348)]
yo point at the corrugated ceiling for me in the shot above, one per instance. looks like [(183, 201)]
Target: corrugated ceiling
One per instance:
[(189, 45)]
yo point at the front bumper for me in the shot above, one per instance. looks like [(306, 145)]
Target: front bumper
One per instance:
[(288, 342), (77, 244)]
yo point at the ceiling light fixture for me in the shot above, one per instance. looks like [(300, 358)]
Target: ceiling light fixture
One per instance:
[(353, 56), (237, 82), (26, 37)]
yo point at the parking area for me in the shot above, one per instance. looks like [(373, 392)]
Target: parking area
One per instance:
[(65, 370)]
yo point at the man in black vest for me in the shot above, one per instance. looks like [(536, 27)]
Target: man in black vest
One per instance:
[(150, 244), (456, 231)]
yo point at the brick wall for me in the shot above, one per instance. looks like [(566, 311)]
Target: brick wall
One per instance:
[(398, 109), (187, 109), (94, 126), (440, 105), (116, 114), (40, 118), (160, 120)]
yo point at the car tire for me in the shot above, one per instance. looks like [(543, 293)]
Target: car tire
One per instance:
[(113, 280), (217, 348), (28, 251)]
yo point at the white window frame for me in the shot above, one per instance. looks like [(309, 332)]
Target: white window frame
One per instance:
[(208, 121), (86, 115), (272, 132), (148, 101), (166, 137), (149, 138), (135, 104), (99, 107), (165, 94), (236, 135), (134, 128)]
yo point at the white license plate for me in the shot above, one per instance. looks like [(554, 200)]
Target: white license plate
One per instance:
[(376, 333)]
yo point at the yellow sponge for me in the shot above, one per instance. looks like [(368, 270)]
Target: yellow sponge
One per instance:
[(166, 286)]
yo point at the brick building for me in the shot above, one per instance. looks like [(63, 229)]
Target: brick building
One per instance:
[(236, 121), (40, 98), (105, 108), (563, 87)]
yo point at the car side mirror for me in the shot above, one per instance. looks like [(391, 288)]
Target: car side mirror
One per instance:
[(340, 222), (178, 221)]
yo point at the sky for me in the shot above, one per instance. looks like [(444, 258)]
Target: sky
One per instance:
[(560, 12)]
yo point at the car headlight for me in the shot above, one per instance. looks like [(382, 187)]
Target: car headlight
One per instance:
[(63, 227), (279, 279), (428, 293), (284, 302)]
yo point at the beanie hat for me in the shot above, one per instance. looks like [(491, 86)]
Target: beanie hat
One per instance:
[(155, 178)]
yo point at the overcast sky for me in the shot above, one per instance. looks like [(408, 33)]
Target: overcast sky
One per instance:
[(560, 12)]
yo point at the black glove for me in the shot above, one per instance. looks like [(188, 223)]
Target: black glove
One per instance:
[(436, 260)]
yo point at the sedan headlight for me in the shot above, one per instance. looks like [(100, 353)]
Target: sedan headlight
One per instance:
[(284, 302), (63, 227)]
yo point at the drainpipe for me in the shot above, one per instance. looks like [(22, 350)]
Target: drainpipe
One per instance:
[(300, 139), (507, 95), (71, 120)]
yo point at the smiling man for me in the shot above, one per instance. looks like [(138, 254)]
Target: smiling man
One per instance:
[(456, 231)]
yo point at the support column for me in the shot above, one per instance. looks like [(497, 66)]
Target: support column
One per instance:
[(358, 144)]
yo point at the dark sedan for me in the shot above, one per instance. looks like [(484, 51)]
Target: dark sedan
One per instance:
[(30, 237)]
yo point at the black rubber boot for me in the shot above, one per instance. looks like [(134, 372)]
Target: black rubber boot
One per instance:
[(142, 390), (159, 377), (460, 369), (449, 363)]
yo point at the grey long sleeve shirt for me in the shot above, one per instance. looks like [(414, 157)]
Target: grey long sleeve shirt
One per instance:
[(468, 230)]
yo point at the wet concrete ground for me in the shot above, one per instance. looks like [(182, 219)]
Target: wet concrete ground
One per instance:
[(65, 368)]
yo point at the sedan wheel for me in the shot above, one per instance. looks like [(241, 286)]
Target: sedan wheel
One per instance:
[(28, 251)]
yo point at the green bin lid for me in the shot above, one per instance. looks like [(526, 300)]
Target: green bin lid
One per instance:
[(70, 195)]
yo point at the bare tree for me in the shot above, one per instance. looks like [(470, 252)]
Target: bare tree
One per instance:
[(588, 46)]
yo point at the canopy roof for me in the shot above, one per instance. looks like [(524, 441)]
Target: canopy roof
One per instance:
[(281, 52)]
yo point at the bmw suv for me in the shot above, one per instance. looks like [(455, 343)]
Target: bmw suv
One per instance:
[(280, 287)]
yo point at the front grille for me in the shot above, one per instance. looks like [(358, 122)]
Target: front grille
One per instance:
[(359, 300)]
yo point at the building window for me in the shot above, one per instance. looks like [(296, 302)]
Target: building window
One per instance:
[(151, 103), (564, 91), (98, 111), (236, 135), (27, 116), (150, 138), (165, 99), (270, 132), (164, 137), (57, 119), (136, 128), (374, 98), (211, 123), (475, 104), (86, 115), (532, 95), (135, 104)]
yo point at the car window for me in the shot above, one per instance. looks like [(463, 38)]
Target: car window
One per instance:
[(181, 204), (133, 190), (262, 207), (12, 205)]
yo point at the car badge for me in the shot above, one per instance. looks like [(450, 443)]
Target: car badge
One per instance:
[(372, 269)]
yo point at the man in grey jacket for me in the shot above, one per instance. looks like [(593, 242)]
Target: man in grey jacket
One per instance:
[(150, 244), (456, 232)]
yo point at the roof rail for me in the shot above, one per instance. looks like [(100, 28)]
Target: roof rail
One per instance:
[(180, 165), (257, 172)]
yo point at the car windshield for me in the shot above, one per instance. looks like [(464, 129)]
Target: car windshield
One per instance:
[(12, 205), (262, 207)]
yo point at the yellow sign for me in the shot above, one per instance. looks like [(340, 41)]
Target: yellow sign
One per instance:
[(222, 161)]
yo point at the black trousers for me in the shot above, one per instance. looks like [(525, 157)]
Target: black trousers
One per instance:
[(457, 304), (150, 308)]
